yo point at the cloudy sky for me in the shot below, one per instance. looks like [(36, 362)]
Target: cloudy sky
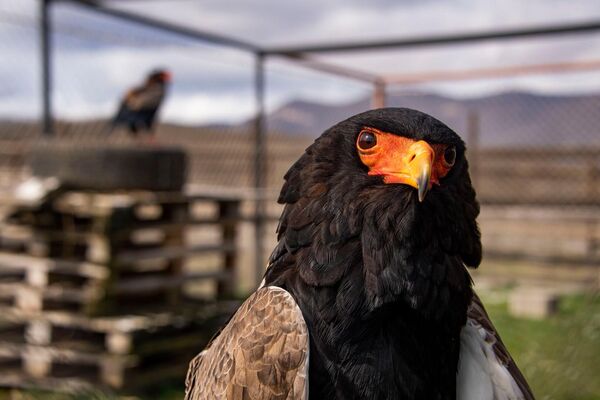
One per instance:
[(97, 57)]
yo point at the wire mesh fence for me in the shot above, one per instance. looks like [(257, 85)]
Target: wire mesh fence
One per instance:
[(528, 151), (525, 148), (88, 87), (534, 156)]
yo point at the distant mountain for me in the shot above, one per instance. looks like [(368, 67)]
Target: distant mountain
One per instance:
[(504, 119)]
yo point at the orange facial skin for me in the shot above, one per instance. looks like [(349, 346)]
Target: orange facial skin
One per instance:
[(403, 160)]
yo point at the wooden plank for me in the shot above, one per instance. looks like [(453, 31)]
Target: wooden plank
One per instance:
[(96, 247), (198, 192), (40, 361), (563, 152), (103, 203), (68, 356), (98, 212), (152, 289), (29, 297), (117, 365), (140, 285), (37, 289), (172, 252), (9, 261), (537, 171), (167, 339), (525, 255), (19, 234), (191, 311), (16, 378)]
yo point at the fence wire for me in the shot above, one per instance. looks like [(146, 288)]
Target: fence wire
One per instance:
[(532, 154)]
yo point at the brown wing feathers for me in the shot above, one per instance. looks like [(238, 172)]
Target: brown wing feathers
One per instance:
[(261, 354)]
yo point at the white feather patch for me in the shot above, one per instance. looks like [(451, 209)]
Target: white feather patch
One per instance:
[(481, 376)]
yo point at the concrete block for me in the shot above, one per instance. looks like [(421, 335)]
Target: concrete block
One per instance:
[(534, 303)]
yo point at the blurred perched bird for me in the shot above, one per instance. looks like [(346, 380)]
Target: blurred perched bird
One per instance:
[(367, 295), (139, 106)]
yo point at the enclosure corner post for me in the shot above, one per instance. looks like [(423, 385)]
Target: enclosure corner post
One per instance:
[(259, 166), (46, 67), (378, 99)]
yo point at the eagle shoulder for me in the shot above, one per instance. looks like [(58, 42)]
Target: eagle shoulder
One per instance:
[(262, 353), (486, 370)]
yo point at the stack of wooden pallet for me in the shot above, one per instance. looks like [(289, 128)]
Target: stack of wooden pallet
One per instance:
[(91, 290)]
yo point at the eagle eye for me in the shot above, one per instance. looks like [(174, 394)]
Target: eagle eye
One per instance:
[(366, 140), (450, 156)]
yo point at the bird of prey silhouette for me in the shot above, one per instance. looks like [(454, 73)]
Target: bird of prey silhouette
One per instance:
[(139, 106), (367, 293)]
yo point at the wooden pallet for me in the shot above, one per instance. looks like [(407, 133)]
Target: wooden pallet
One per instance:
[(96, 227), (14, 377), (103, 352), (81, 245), (127, 231), (148, 244), (103, 212), (35, 284), (71, 263), (97, 369), (48, 327)]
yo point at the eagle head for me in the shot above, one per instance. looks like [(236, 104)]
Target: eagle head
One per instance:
[(381, 205)]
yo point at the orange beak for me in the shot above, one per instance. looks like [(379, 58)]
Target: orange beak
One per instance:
[(401, 160), (412, 168)]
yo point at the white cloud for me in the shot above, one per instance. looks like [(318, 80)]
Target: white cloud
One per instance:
[(201, 108), (275, 22)]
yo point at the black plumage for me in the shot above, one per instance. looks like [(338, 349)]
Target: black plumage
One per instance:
[(378, 275), (138, 108), (367, 295)]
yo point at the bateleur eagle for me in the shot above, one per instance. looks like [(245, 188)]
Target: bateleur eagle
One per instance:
[(139, 106), (367, 295)]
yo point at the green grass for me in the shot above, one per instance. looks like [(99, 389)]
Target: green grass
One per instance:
[(559, 356)]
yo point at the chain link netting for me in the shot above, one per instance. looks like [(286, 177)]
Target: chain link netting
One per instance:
[(531, 154)]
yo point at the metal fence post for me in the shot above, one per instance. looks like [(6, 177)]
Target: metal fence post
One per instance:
[(259, 166), (46, 61), (473, 145), (378, 98)]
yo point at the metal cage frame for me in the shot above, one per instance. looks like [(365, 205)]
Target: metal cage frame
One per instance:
[(303, 55)]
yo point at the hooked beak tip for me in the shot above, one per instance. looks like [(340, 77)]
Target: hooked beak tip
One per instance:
[(423, 185)]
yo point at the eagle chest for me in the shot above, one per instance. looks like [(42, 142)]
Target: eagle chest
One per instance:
[(393, 355)]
